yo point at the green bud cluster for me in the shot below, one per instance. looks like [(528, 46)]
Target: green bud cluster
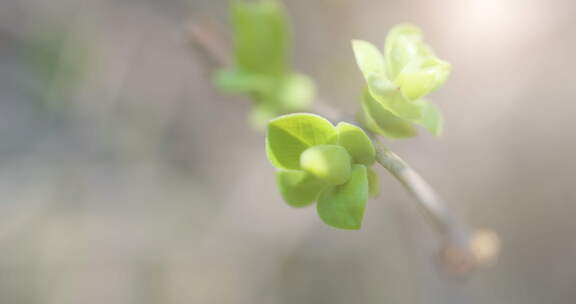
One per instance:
[(316, 161), (397, 80), (261, 66), (323, 163)]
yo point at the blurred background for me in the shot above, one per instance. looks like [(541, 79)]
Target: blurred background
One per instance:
[(125, 177)]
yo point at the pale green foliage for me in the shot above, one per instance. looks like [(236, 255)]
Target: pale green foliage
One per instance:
[(325, 163), (373, 182), (343, 206), (291, 134), (261, 66), (316, 161), (379, 120), (397, 80), (403, 43), (238, 81), (260, 31), (330, 163), (431, 118), (369, 60), (357, 143), (298, 188)]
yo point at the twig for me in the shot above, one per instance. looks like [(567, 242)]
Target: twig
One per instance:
[(456, 255), (461, 251), (204, 36), (431, 205)]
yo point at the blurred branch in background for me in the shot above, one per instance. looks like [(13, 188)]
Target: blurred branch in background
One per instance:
[(461, 251), (207, 37)]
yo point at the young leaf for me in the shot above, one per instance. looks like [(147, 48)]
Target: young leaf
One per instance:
[(395, 103), (369, 59), (373, 182), (261, 64), (330, 163), (379, 120), (260, 36), (356, 142), (296, 92), (421, 76), (298, 188), (431, 117), (371, 63), (403, 43), (289, 135), (343, 206), (397, 80)]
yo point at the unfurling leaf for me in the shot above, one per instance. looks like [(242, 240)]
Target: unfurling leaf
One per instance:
[(431, 117), (260, 37), (274, 96), (319, 162), (330, 163), (343, 206), (381, 121), (290, 135), (369, 59), (296, 92), (396, 81), (403, 44), (422, 76), (298, 188), (356, 142), (261, 69)]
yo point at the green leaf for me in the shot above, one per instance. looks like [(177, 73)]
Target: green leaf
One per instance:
[(431, 117), (261, 114), (239, 82), (260, 36), (373, 182), (421, 76), (371, 63), (330, 163), (369, 59), (395, 103), (406, 72), (356, 142), (289, 135), (379, 120), (416, 85), (411, 63), (296, 92), (403, 44), (343, 206), (298, 188)]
